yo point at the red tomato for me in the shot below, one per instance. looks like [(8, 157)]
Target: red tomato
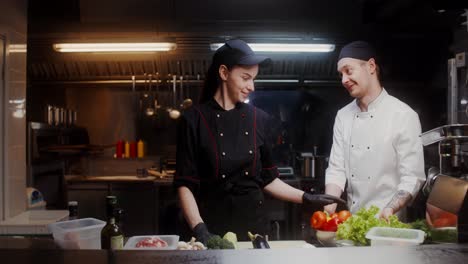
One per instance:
[(331, 225), (445, 219), (334, 215), (318, 219), (344, 215)]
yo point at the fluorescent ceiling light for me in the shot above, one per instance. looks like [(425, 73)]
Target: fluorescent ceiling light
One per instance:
[(114, 47), (17, 48), (276, 81), (284, 47)]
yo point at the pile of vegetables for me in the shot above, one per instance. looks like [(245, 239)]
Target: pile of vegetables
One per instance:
[(356, 226), (322, 221)]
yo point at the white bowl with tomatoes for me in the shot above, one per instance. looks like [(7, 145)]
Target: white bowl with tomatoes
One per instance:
[(326, 225)]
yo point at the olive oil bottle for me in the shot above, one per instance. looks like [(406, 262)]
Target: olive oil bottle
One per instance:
[(111, 235)]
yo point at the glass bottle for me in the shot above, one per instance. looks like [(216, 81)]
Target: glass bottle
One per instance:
[(111, 235), (72, 210)]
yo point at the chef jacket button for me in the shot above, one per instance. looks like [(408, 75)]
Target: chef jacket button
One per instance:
[(352, 146), (260, 202), (221, 134), (246, 133), (371, 116), (223, 176), (354, 202), (246, 173), (352, 175), (250, 152), (218, 115), (368, 147), (243, 115), (223, 153)]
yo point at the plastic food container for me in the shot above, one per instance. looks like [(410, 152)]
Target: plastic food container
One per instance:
[(388, 236), (78, 234), (171, 241)]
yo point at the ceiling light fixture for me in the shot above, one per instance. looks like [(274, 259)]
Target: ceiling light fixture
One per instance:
[(115, 47), (284, 47), (18, 48), (276, 81)]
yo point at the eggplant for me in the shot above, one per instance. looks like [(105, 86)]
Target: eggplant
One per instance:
[(258, 241)]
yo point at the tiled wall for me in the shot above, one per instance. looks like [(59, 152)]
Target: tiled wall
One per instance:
[(13, 26)]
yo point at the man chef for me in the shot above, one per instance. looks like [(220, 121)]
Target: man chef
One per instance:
[(376, 147)]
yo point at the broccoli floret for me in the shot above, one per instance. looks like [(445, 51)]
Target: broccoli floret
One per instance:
[(216, 242)]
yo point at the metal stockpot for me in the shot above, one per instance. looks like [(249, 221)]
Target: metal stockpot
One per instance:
[(308, 164), (312, 166)]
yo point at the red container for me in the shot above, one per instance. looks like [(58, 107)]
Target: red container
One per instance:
[(119, 149), (133, 149)]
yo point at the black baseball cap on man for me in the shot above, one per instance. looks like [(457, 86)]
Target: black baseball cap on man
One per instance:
[(237, 52), (360, 50)]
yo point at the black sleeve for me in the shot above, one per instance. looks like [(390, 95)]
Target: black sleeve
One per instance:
[(186, 166), (269, 171)]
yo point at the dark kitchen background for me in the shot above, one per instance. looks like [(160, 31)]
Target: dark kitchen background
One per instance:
[(303, 92), (413, 38)]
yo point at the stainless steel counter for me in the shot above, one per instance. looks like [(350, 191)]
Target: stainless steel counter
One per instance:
[(31, 250)]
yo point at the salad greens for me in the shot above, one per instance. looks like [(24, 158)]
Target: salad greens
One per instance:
[(356, 227)]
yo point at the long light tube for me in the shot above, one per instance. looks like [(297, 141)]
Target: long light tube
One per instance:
[(18, 48), (284, 47), (114, 47)]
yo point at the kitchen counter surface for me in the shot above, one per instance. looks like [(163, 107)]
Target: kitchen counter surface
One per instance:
[(134, 179), (42, 250)]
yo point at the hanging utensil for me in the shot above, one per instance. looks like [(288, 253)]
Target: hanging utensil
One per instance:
[(150, 110), (181, 91), (156, 97), (187, 102), (143, 96), (174, 113)]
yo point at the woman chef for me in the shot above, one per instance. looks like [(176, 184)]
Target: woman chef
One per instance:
[(223, 156)]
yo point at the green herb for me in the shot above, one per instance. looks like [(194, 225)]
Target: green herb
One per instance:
[(444, 235), (421, 224), (356, 227), (216, 242)]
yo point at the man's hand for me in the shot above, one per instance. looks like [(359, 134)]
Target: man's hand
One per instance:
[(321, 199), (386, 213), (201, 232)]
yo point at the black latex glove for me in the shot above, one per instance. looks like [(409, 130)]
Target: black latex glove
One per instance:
[(320, 200), (201, 232)]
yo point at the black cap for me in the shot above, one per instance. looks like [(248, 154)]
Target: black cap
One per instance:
[(360, 50), (237, 52)]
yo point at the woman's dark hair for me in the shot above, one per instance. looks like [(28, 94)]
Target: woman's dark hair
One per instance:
[(212, 80), (233, 52)]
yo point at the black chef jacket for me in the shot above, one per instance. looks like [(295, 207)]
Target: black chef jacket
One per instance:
[(224, 158)]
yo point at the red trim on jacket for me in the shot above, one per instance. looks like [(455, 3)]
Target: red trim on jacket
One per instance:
[(255, 142), (213, 140)]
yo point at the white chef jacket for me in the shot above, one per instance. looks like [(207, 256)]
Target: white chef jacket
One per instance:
[(378, 152)]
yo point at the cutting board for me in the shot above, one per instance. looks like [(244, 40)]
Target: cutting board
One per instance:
[(277, 244)]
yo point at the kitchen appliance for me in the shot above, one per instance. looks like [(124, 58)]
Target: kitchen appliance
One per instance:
[(50, 151), (447, 186)]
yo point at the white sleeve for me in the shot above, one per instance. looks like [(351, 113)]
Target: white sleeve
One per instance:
[(336, 166), (410, 155)]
